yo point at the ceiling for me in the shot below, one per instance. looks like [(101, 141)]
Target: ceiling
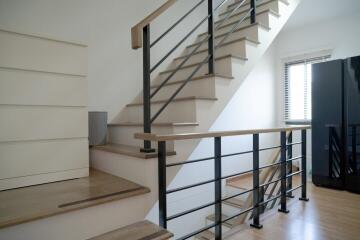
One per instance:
[(311, 11)]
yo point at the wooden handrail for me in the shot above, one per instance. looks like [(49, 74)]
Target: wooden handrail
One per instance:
[(136, 31), (184, 136)]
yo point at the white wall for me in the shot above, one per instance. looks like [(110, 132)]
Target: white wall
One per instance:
[(115, 70)]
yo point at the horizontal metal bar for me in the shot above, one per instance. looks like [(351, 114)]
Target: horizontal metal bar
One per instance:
[(176, 23), (269, 200), (271, 182), (237, 174), (294, 173), (189, 186), (229, 15), (293, 159), (206, 59), (236, 195), (179, 43), (269, 148), (190, 161), (198, 231), (235, 154), (233, 29), (190, 211), (293, 189), (238, 214), (270, 165), (294, 143)]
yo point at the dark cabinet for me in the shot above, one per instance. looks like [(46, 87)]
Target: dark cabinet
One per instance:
[(336, 124)]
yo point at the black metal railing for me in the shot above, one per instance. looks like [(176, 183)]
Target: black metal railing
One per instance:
[(148, 117), (259, 189)]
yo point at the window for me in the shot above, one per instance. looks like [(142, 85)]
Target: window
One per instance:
[(298, 78)]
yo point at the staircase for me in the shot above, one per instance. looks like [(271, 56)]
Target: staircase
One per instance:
[(201, 100)]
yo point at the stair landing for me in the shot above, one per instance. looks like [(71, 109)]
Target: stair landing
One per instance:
[(31, 203)]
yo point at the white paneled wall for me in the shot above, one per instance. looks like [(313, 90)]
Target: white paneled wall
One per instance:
[(43, 110)]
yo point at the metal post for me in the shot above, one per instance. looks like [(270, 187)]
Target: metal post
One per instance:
[(146, 87), (303, 166), (253, 12), (256, 190), (290, 164), (283, 208), (218, 197), (211, 37), (162, 183)]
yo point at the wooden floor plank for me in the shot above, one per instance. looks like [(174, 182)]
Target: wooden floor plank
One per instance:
[(30, 203)]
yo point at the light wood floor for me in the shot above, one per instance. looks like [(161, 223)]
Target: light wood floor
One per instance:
[(329, 215)]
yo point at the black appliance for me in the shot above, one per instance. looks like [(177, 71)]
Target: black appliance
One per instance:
[(336, 124)]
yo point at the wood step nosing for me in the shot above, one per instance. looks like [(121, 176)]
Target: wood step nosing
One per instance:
[(247, 4), (194, 98), (199, 62), (199, 78)]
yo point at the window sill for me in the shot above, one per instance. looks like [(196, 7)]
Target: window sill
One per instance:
[(298, 122)]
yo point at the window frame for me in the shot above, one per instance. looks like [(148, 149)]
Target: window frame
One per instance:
[(312, 58)]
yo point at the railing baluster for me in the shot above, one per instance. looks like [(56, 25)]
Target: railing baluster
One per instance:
[(290, 164), (256, 183), (211, 39), (162, 183), (253, 12), (303, 166), (146, 88), (283, 207), (218, 191)]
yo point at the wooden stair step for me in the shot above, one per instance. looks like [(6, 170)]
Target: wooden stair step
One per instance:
[(229, 224), (131, 151), (230, 7), (143, 230), (40, 201), (194, 79), (235, 202), (206, 235), (175, 100)]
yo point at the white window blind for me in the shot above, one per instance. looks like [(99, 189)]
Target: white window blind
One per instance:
[(298, 78)]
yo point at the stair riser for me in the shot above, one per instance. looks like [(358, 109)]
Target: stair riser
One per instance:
[(204, 46), (249, 32), (224, 227), (230, 210), (274, 5), (237, 48), (199, 88), (260, 18), (125, 134), (184, 111), (223, 67)]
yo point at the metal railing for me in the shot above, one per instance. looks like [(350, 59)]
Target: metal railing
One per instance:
[(148, 117), (259, 189)]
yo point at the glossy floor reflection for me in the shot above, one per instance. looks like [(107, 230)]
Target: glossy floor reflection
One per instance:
[(329, 215)]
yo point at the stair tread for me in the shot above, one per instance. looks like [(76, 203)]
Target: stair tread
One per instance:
[(194, 79), (131, 151), (206, 235), (197, 63), (225, 43), (235, 202), (140, 230), (41, 201), (176, 100), (160, 124), (247, 4), (229, 224)]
